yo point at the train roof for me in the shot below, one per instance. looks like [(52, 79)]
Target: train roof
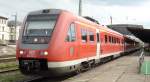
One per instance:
[(110, 30), (86, 20), (47, 11)]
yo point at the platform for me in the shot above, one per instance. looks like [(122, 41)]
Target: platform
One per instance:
[(145, 68), (124, 69)]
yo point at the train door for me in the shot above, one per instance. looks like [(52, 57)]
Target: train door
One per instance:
[(72, 41), (98, 44)]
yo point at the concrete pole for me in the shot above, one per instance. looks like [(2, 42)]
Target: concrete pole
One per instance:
[(15, 25), (80, 8), (111, 20)]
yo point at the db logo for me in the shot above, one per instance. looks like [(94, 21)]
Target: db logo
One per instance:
[(31, 54)]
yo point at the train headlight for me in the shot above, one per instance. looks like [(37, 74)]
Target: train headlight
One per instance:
[(21, 52), (45, 53)]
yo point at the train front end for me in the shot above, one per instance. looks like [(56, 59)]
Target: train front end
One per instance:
[(32, 46)]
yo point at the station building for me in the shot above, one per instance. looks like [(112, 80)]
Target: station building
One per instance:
[(13, 31), (4, 30), (8, 32)]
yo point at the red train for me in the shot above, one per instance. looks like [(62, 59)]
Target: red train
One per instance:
[(55, 41)]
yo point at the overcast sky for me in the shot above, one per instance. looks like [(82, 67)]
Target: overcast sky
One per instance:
[(122, 11)]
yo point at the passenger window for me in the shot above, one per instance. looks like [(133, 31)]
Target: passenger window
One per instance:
[(110, 39), (97, 37), (91, 36), (105, 38), (114, 39), (71, 35), (84, 35), (122, 41), (118, 41)]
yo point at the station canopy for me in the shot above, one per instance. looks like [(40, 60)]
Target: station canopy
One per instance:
[(143, 34), (130, 29)]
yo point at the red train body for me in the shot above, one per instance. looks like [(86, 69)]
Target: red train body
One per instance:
[(57, 42)]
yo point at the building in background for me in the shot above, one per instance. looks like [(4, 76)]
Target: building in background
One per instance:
[(4, 30), (14, 31), (8, 32)]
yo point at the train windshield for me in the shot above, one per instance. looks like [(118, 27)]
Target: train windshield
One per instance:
[(38, 29), (37, 25)]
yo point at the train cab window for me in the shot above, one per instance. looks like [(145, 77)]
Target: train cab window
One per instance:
[(105, 38), (91, 34), (84, 35), (71, 35), (39, 26)]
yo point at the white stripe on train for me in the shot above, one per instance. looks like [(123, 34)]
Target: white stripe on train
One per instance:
[(78, 61)]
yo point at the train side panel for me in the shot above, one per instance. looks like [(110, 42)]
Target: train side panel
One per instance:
[(111, 43)]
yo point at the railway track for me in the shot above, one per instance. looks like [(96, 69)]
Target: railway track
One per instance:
[(46, 79), (8, 71), (34, 79), (7, 65), (7, 58)]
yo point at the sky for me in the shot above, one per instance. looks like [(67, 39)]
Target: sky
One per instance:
[(121, 11)]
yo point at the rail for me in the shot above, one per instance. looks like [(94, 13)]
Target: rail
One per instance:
[(34, 79), (10, 70), (7, 58)]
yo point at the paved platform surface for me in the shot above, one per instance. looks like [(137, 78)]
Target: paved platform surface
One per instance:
[(124, 69)]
